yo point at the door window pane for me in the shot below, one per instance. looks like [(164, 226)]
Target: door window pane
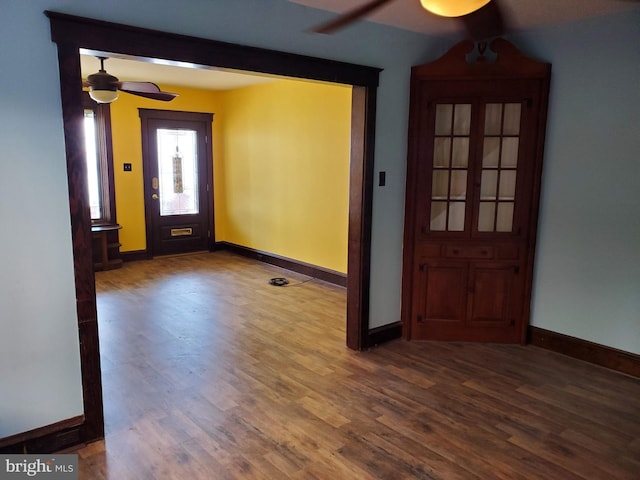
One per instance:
[(444, 115), (507, 184), (440, 189), (438, 216), (489, 185), (504, 218), (441, 152), (493, 119), (456, 216), (177, 171), (460, 152), (458, 185), (509, 152), (491, 152), (462, 119), (486, 217), (512, 119)]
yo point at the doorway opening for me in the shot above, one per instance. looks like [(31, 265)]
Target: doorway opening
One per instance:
[(72, 33)]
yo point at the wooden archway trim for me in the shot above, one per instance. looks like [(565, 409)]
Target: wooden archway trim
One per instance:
[(72, 33)]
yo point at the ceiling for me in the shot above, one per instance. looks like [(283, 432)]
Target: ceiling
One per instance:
[(404, 14), (520, 14), (164, 74)]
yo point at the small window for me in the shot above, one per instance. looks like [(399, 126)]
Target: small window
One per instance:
[(99, 155), (93, 173)]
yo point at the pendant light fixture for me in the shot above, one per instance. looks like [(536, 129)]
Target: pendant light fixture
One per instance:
[(103, 96), (452, 8)]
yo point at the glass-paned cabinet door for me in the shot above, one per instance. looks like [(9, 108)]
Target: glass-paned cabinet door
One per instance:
[(450, 167), (501, 142)]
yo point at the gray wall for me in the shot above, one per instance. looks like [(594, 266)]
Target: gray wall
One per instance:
[(587, 277)]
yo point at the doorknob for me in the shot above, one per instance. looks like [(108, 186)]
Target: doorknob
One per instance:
[(154, 196)]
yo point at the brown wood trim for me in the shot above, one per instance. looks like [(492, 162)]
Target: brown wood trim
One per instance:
[(325, 274), (361, 173), (97, 36), (47, 439), (544, 86), (73, 118), (135, 255), (602, 355), (509, 63), (411, 190), (384, 334)]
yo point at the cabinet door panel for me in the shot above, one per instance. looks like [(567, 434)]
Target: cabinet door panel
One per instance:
[(446, 291), (442, 297), (492, 296)]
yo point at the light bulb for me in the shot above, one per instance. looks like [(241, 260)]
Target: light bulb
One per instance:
[(453, 8)]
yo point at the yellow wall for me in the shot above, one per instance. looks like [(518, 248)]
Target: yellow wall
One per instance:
[(281, 167), (286, 170)]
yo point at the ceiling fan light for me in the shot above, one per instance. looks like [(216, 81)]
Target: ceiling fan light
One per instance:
[(452, 8), (103, 96)]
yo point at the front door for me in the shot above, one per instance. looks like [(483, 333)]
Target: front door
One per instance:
[(177, 174)]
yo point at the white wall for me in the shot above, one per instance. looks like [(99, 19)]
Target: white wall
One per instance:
[(587, 276), (39, 358)]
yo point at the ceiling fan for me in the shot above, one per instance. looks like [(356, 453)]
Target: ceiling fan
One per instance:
[(482, 19), (103, 87)]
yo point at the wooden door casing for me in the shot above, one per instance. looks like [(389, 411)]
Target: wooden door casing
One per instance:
[(160, 239)]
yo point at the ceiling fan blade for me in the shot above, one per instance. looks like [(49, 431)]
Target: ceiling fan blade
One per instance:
[(147, 90), (349, 17), (164, 96), (146, 87), (486, 22)]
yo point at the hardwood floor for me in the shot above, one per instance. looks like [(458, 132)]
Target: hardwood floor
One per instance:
[(209, 372)]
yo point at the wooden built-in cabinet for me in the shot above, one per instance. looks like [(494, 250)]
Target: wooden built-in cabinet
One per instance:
[(476, 137)]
